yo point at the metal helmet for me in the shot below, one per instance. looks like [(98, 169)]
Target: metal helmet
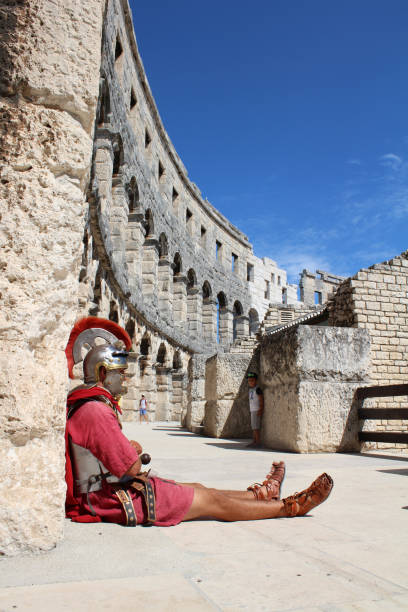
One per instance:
[(112, 355), (107, 355)]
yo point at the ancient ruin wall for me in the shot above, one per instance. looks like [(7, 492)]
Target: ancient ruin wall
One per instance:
[(376, 299), (49, 59)]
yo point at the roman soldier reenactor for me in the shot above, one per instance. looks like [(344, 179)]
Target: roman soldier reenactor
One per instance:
[(105, 481)]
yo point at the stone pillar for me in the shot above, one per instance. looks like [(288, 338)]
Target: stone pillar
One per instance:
[(47, 119), (149, 267), (179, 298), (165, 281), (209, 319), (178, 395), (103, 166), (118, 221), (134, 249), (194, 312), (147, 386), (130, 401), (163, 412), (225, 327)]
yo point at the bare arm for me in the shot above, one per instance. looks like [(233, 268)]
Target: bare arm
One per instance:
[(134, 469)]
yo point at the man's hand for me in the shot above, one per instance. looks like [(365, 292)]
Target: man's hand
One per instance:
[(136, 446)]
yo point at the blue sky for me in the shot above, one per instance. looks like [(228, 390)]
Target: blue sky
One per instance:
[(291, 117)]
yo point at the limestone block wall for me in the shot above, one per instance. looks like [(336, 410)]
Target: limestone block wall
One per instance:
[(318, 285), (309, 376), (376, 299), (226, 394), (48, 103)]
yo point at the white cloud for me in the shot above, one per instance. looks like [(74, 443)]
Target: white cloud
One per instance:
[(390, 160), (354, 162)]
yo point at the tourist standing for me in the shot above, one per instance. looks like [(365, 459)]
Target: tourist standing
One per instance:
[(256, 406), (143, 409)]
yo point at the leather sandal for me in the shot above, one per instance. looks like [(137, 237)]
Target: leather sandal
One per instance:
[(300, 504), (270, 487)]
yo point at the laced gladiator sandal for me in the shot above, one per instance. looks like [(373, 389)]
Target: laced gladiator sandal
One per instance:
[(270, 488), (300, 504)]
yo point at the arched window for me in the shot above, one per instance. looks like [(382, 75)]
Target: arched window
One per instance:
[(133, 196), (206, 290), (145, 345), (177, 364), (163, 245), (130, 328), (148, 223), (161, 354), (117, 156), (253, 322), (191, 279), (221, 306), (237, 312), (177, 264), (113, 312), (104, 103)]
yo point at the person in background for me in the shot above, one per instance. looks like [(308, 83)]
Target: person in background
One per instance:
[(256, 406), (143, 409)]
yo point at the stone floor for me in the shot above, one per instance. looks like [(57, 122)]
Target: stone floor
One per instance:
[(350, 554)]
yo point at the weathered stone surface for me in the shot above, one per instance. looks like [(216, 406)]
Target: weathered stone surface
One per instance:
[(50, 57), (310, 375), (226, 394)]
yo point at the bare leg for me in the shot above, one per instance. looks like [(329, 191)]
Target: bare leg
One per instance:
[(217, 505), (233, 494)]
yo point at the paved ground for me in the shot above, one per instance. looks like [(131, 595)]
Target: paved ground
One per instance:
[(350, 554)]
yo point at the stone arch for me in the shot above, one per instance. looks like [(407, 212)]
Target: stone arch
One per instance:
[(145, 345), (177, 362), (179, 290), (253, 321), (149, 223), (161, 354), (130, 328), (104, 107), (194, 306), (177, 264), (150, 258), (163, 245), (118, 156), (207, 292), (209, 314), (113, 312), (133, 198), (237, 320), (223, 319)]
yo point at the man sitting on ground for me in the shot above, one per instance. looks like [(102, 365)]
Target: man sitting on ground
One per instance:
[(103, 468)]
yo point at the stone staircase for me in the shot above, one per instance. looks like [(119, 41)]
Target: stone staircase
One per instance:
[(244, 344)]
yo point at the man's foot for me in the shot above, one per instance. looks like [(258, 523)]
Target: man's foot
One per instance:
[(253, 444), (301, 503), (271, 486)]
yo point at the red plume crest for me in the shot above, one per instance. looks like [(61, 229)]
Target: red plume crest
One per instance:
[(93, 322)]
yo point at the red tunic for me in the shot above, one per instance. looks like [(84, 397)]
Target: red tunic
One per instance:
[(95, 427)]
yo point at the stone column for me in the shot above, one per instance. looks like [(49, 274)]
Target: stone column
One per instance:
[(178, 395), (225, 327), (194, 312), (134, 252), (147, 386), (149, 267), (165, 281), (163, 412), (47, 118), (209, 319), (118, 221), (130, 401), (179, 298)]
